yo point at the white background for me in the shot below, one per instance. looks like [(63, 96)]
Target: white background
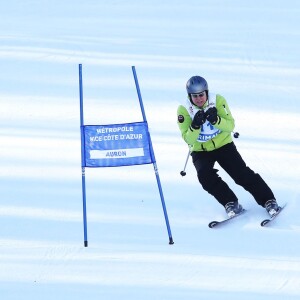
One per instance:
[(247, 50)]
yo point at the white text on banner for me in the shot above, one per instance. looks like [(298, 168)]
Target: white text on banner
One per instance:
[(117, 145)]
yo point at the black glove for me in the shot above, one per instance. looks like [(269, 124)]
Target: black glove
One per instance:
[(212, 115), (199, 119)]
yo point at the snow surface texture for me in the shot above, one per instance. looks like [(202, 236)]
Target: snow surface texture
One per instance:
[(249, 53)]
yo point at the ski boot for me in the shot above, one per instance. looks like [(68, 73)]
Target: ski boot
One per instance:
[(272, 207), (233, 208)]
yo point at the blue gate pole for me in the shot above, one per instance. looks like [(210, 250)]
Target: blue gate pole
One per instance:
[(82, 156), (153, 158)]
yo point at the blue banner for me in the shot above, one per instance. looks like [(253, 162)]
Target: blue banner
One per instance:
[(117, 145)]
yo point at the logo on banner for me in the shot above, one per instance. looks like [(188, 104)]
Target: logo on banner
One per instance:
[(117, 145)]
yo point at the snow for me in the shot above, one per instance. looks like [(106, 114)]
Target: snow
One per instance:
[(249, 53)]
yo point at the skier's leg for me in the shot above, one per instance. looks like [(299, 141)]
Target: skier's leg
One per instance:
[(210, 180), (232, 162)]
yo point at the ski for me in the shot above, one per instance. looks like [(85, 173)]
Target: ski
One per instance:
[(218, 223), (267, 221)]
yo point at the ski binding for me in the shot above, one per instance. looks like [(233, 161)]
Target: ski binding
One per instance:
[(267, 221)]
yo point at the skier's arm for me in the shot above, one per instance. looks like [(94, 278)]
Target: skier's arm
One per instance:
[(225, 119), (184, 122)]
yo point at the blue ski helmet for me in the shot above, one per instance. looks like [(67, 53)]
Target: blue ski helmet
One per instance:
[(196, 84)]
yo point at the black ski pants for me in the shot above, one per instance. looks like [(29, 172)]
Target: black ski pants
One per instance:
[(231, 161)]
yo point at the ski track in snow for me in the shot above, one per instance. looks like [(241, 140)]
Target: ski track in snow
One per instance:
[(248, 52)]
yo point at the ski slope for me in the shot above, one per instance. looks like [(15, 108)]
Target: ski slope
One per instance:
[(247, 50)]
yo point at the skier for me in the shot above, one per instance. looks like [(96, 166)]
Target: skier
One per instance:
[(206, 123)]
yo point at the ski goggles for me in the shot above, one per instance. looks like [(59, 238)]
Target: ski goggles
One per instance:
[(198, 95)]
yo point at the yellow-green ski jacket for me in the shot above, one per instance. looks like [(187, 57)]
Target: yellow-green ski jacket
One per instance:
[(209, 137)]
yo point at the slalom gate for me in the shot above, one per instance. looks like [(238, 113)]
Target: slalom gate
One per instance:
[(116, 145)]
